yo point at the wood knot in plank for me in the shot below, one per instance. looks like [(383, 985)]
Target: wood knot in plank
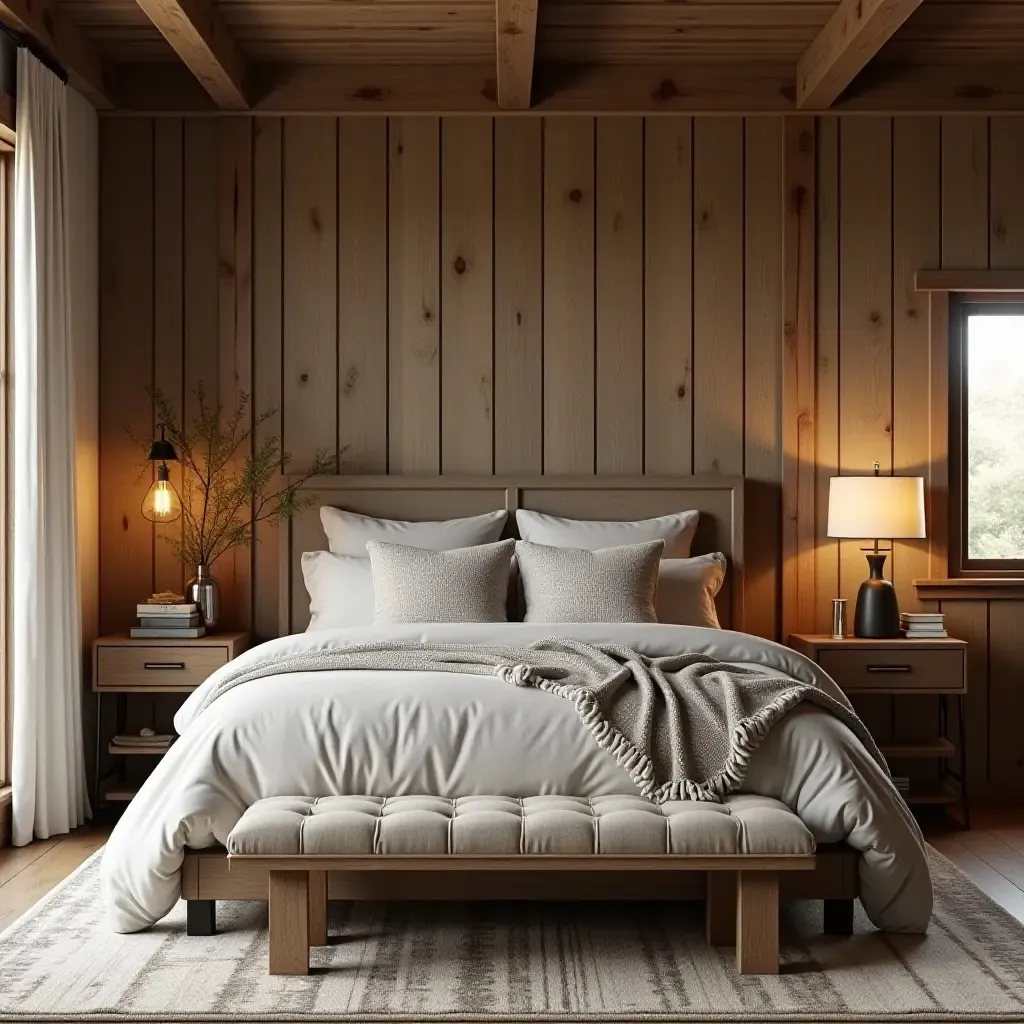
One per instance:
[(999, 229), (510, 28), (459, 265), (681, 391), (666, 90), (489, 90), (124, 523), (314, 220), (400, 149), (351, 376), (575, 196), (428, 314), (372, 94), (303, 378), (876, 317), (519, 319)]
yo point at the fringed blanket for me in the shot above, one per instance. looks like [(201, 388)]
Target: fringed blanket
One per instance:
[(683, 726)]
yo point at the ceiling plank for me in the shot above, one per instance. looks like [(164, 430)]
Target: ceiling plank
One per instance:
[(516, 22), (202, 40), (47, 24), (852, 36)]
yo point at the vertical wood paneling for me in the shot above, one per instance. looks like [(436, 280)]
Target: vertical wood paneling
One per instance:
[(826, 562), (201, 272), (668, 295), (762, 374), (363, 293), (518, 295), (1005, 729), (309, 385), (234, 568), (267, 254), (916, 243), (467, 301), (968, 620), (799, 398), (126, 364), (1006, 245), (168, 321), (620, 295), (414, 311), (569, 295), (965, 228), (718, 295), (865, 315)]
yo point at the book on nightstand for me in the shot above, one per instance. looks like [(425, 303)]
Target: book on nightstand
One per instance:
[(168, 621), (923, 625)]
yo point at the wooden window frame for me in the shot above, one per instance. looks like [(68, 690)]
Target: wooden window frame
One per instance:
[(961, 305)]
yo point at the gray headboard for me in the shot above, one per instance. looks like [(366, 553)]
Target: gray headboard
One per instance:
[(718, 499)]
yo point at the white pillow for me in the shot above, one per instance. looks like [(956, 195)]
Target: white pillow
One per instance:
[(591, 535), (348, 532), (687, 588), (340, 589)]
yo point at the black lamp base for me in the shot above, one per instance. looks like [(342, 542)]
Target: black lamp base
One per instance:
[(878, 612)]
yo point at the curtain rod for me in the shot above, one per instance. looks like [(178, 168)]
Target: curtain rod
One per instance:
[(21, 40)]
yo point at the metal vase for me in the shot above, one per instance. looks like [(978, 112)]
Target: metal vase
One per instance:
[(204, 591)]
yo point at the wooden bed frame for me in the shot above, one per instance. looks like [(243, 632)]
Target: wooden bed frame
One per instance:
[(206, 876)]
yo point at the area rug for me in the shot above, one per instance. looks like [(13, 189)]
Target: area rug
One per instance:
[(509, 962)]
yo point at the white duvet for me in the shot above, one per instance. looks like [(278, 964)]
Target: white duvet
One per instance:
[(392, 733)]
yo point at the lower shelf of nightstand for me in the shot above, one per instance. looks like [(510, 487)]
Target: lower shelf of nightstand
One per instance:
[(938, 747), (934, 793)]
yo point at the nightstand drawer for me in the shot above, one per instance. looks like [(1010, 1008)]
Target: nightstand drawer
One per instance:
[(886, 669), (160, 667)]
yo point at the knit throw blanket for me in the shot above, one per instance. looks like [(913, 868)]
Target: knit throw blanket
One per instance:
[(683, 726)]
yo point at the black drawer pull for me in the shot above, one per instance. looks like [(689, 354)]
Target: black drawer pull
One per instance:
[(161, 666), (888, 668)]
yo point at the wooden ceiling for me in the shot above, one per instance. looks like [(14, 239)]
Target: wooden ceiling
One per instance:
[(935, 54)]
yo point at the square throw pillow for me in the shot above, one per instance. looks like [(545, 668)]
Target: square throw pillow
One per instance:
[(675, 530), (575, 585), (340, 590), (419, 585), (687, 588), (348, 532)]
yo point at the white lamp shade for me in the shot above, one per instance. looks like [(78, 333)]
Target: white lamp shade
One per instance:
[(869, 507)]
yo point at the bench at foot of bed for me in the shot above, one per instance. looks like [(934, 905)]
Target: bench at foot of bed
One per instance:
[(743, 844)]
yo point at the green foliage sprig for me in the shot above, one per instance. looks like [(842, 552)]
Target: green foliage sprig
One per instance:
[(225, 491)]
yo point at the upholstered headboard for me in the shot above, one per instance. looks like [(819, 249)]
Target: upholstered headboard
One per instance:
[(718, 499)]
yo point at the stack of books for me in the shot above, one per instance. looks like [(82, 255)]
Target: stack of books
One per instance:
[(923, 625), (168, 621), (155, 740)]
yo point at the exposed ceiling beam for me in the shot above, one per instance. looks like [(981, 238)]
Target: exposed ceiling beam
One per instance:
[(201, 39), (46, 23), (852, 36), (609, 89), (517, 39)]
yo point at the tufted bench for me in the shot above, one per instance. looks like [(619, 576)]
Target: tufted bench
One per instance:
[(743, 843)]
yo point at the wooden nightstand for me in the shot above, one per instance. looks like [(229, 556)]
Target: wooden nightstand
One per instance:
[(936, 668), (123, 666)]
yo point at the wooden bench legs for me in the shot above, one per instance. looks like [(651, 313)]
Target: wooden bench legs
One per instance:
[(743, 908), (298, 918)]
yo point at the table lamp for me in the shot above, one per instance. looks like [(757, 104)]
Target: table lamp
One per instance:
[(867, 508)]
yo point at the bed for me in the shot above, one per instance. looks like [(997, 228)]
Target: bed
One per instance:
[(404, 733)]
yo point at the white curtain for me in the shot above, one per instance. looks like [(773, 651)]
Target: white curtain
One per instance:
[(47, 771)]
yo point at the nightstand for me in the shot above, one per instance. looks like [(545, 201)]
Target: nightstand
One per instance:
[(934, 668), (123, 666)]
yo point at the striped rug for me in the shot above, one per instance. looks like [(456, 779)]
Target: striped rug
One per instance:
[(509, 962)]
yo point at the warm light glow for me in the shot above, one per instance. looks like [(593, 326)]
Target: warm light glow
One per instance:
[(161, 504), (869, 507)]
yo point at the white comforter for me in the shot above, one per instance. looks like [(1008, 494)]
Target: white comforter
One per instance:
[(393, 733)]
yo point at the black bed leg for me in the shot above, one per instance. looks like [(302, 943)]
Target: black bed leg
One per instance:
[(200, 917), (838, 917)]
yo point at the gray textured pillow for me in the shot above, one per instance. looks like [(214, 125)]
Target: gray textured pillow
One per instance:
[(574, 585), (417, 585)]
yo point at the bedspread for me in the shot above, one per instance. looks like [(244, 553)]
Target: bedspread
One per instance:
[(392, 733)]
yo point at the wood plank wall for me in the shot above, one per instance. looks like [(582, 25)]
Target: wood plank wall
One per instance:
[(457, 295), (570, 295), (896, 195)]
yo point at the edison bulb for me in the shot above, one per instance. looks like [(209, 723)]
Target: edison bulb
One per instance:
[(161, 504)]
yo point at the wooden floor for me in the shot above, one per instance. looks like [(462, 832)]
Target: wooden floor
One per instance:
[(991, 854)]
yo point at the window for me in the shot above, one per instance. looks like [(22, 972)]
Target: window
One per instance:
[(987, 428)]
